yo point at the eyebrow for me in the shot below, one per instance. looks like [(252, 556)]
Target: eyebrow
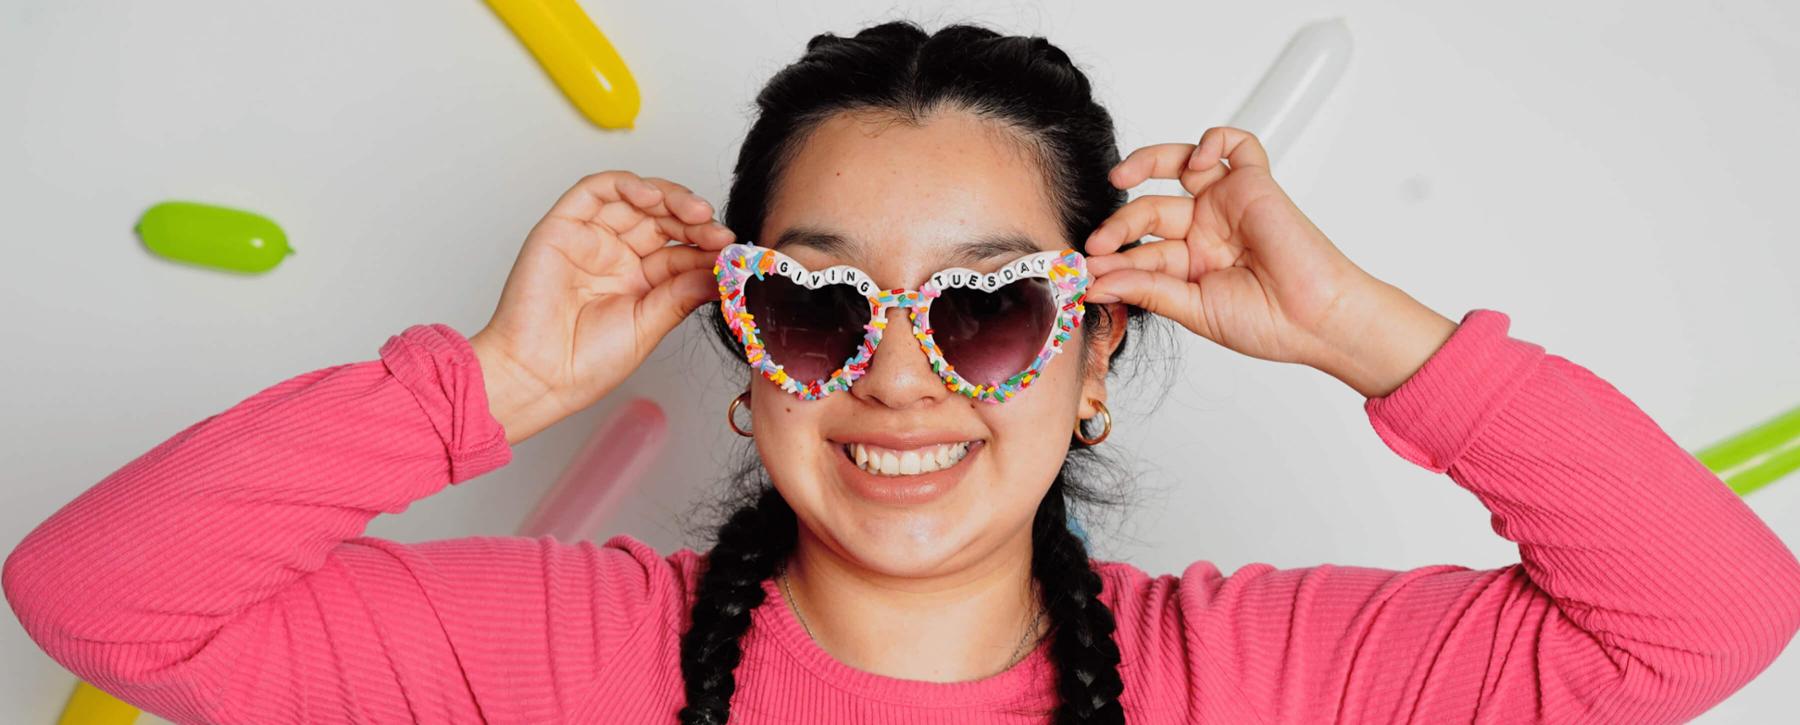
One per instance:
[(834, 244), (986, 246)]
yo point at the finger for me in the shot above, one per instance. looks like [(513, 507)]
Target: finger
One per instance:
[(1237, 147), (1167, 257), (709, 235), (673, 261), (615, 201), (585, 199), (638, 229), (694, 224), (681, 202), (1162, 294), (1165, 161), (1197, 181), (1161, 161), (666, 304), (647, 228), (1163, 216)]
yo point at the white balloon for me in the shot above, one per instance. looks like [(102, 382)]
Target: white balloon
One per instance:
[(1293, 88)]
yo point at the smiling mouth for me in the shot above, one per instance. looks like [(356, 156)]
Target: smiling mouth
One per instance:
[(890, 462)]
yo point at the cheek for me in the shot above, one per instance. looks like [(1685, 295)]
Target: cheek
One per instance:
[(786, 428), (1065, 374), (1024, 456), (1031, 431), (1034, 423)]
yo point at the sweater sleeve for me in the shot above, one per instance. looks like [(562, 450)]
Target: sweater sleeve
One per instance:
[(1646, 591), (223, 576)]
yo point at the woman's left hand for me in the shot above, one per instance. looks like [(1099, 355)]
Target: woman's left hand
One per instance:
[(1240, 265)]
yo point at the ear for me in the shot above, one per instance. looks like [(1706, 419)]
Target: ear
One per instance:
[(1100, 348)]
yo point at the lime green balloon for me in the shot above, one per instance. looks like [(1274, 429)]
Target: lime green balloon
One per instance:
[(213, 236), (1759, 456)]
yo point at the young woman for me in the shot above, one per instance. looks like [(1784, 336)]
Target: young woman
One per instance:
[(907, 557)]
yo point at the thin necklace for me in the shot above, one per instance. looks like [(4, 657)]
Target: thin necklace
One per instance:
[(1017, 652)]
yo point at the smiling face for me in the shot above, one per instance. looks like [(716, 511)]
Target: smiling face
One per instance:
[(899, 474)]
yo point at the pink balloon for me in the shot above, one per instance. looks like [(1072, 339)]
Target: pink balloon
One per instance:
[(603, 472)]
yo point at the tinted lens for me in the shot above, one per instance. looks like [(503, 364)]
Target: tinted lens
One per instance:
[(809, 332), (991, 336)]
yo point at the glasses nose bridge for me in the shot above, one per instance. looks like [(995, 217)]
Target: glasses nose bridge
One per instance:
[(896, 375), (900, 298), (908, 302), (911, 301)]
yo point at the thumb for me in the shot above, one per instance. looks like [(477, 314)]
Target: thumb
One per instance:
[(667, 304), (1155, 292)]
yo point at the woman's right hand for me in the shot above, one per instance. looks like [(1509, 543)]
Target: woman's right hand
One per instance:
[(593, 291)]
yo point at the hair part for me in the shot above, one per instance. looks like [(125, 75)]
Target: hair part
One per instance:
[(1041, 103)]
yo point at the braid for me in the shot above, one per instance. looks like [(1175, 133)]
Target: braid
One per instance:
[(751, 544), (1081, 626)]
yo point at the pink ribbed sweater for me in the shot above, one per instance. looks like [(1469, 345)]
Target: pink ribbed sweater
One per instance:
[(223, 577)]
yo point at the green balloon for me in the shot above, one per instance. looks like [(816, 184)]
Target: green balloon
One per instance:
[(213, 236), (1759, 456)]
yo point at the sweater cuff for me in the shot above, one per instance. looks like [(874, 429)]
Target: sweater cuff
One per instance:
[(1433, 416), (438, 366)]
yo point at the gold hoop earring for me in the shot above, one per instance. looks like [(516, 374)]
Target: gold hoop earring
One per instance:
[(1106, 430), (731, 414)]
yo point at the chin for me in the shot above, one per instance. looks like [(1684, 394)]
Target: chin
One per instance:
[(911, 518), (908, 527), (903, 546)]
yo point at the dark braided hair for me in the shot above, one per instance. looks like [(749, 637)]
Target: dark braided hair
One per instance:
[(751, 545), (1032, 88)]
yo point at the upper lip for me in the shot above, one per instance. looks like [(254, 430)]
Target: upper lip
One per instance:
[(902, 440)]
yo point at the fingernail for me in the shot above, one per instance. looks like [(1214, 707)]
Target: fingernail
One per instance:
[(1101, 298)]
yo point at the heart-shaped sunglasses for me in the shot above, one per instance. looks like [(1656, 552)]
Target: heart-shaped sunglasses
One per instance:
[(987, 334)]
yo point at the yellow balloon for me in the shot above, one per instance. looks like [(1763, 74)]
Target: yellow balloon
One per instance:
[(92, 706), (576, 55)]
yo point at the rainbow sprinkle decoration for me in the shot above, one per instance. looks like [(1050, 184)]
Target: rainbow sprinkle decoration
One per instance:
[(737, 264)]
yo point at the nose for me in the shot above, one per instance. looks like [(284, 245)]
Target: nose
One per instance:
[(899, 375)]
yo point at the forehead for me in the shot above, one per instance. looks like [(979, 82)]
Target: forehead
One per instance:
[(901, 200)]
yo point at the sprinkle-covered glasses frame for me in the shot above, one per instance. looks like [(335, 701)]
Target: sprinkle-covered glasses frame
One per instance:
[(738, 264)]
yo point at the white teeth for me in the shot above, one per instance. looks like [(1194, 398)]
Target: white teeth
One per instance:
[(888, 462)]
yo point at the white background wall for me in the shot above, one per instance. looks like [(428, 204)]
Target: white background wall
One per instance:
[(1617, 177)]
